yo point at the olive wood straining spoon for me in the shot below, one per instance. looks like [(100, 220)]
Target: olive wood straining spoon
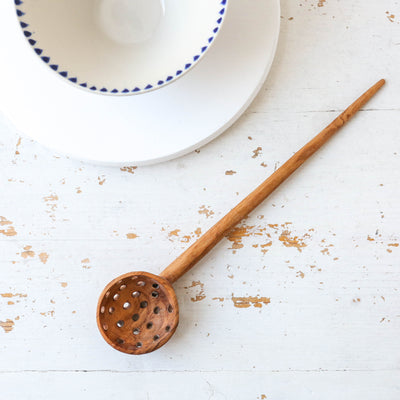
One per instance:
[(138, 312)]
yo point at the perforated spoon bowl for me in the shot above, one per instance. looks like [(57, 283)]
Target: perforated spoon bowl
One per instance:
[(138, 312)]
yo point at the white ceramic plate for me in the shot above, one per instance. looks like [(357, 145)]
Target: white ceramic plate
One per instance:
[(151, 127)]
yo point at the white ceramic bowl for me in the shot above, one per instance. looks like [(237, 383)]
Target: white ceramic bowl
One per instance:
[(120, 47)]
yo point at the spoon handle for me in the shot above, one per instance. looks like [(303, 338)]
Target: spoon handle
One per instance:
[(207, 241)]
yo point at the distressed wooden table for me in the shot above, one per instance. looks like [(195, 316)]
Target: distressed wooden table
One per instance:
[(301, 301)]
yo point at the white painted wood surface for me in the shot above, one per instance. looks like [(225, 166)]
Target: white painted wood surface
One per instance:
[(331, 274)]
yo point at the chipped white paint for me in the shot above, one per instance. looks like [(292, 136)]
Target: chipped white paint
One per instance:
[(331, 271)]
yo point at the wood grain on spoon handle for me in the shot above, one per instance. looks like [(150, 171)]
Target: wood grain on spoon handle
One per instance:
[(206, 242)]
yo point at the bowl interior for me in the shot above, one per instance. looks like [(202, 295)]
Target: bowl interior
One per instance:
[(121, 46)]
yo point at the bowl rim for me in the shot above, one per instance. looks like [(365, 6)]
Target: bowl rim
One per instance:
[(100, 89)]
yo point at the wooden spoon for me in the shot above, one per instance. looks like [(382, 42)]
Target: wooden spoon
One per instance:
[(138, 312)]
